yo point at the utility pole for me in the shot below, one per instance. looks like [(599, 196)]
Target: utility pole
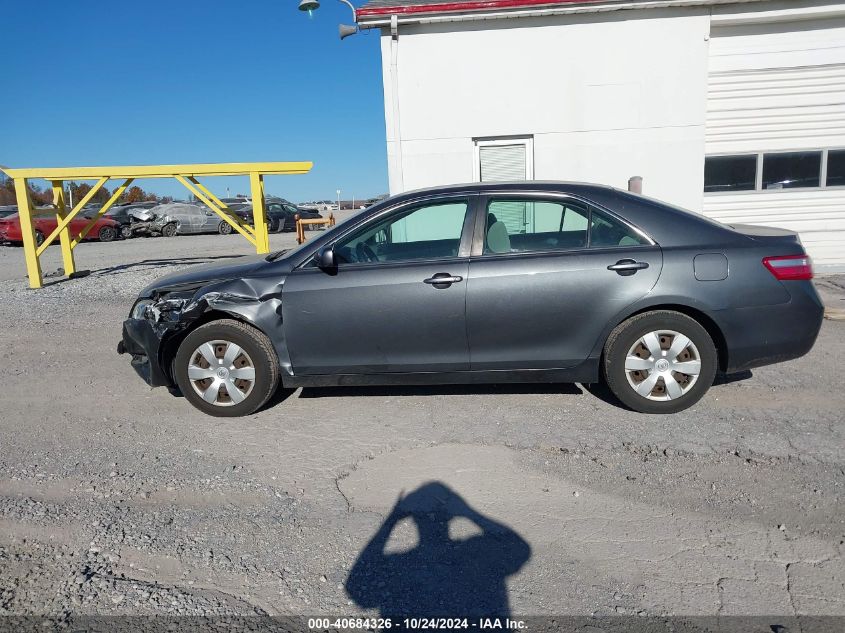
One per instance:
[(338, 199)]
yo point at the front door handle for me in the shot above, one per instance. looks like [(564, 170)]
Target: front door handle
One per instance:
[(627, 267), (443, 280)]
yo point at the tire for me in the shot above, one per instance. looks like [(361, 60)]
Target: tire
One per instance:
[(107, 234), (125, 232), (224, 228), (168, 230), (256, 351), (39, 238), (630, 344)]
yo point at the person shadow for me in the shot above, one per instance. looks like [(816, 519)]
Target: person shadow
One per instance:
[(442, 576)]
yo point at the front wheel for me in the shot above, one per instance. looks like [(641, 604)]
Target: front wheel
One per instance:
[(224, 228), (227, 368), (126, 232), (659, 362), (107, 234), (169, 230)]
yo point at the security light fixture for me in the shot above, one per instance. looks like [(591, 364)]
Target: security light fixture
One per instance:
[(344, 30)]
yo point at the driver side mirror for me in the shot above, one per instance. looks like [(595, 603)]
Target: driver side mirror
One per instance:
[(326, 259)]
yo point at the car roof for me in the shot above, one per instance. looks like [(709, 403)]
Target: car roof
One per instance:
[(511, 185)]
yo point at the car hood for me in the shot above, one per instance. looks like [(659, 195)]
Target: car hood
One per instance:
[(197, 276)]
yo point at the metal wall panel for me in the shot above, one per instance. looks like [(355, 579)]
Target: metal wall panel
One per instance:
[(779, 87)]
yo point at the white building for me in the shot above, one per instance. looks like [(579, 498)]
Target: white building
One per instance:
[(736, 109)]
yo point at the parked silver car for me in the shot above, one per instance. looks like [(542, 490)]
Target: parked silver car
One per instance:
[(177, 218)]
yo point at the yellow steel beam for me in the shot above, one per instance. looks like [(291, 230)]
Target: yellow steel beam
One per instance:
[(64, 234), (259, 218), (160, 171), (199, 194), (33, 266), (72, 214), (114, 198), (186, 174)]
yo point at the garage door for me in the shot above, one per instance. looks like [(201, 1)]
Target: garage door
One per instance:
[(775, 139)]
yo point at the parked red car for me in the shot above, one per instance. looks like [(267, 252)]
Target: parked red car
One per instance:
[(104, 230)]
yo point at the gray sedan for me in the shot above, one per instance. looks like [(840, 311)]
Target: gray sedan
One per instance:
[(505, 282), (184, 219)]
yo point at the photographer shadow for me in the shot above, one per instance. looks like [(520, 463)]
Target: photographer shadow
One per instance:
[(442, 576)]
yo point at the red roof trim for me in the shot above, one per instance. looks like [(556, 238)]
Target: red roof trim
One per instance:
[(467, 5)]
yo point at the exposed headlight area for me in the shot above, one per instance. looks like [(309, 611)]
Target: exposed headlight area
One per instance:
[(139, 310), (158, 309)]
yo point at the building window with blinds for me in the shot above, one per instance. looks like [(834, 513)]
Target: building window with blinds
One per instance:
[(504, 159)]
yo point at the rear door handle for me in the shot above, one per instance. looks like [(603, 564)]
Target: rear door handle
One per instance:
[(627, 266), (444, 279)]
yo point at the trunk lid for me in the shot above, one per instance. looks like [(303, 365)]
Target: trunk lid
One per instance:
[(767, 234)]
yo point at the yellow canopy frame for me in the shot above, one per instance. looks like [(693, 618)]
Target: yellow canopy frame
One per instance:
[(256, 234)]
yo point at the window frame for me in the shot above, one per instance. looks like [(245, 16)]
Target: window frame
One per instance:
[(758, 179), (471, 200), (479, 231), (825, 165), (757, 170), (497, 141)]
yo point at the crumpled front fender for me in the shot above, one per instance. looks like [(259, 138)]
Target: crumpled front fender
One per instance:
[(153, 341)]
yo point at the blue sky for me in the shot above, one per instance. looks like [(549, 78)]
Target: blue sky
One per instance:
[(190, 81)]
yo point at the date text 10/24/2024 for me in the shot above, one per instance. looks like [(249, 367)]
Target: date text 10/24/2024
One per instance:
[(415, 624)]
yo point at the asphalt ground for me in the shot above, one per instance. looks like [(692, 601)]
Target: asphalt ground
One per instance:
[(519, 499)]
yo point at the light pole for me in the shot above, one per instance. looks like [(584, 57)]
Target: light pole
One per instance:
[(344, 30), (338, 199)]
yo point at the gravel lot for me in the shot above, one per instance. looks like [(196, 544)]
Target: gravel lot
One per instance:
[(118, 499)]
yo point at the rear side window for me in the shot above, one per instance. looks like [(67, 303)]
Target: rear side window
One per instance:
[(606, 231), (515, 226), (530, 225)]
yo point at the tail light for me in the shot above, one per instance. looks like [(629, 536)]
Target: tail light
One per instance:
[(789, 267)]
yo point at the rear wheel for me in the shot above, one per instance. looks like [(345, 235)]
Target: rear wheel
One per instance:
[(39, 238), (227, 368), (224, 228), (168, 230), (107, 234), (659, 362)]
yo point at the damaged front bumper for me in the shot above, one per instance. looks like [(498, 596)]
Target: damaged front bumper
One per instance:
[(149, 328), (143, 342)]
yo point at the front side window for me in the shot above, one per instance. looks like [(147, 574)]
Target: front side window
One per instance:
[(730, 173), (792, 169), (430, 231), (521, 226)]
